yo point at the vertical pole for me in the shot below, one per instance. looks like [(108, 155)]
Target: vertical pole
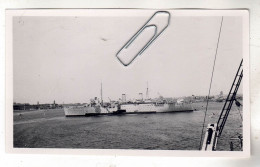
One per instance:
[(147, 92), (101, 95), (205, 113)]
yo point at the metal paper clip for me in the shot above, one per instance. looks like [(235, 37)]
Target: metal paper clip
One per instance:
[(148, 25)]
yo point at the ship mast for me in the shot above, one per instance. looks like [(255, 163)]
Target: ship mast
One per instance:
[(101, 95), (147, 92)]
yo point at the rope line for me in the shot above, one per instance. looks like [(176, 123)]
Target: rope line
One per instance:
[(203, 125), (240, 114), (238, 105)]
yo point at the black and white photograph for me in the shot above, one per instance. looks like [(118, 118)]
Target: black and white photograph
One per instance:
[(129, 79)]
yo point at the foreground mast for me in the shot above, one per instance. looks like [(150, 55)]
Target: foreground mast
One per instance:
[(214, 130)]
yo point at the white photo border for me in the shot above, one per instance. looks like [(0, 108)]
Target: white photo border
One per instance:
[(82, 12)]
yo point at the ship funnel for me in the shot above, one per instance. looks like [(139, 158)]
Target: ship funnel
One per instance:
[(123, 98), (140, 96)]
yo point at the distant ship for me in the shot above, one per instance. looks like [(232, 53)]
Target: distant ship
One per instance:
[(92, 109), (149, 106), (95, 107), (144, 107), (140, 106), (157, 106)]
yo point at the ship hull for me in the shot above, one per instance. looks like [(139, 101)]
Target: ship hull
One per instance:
[(127, 109), (155, 108), (87, 111)]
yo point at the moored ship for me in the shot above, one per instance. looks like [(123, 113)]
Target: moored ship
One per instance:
[(96, 107), (92, 109), (153, 107), (127, 108)]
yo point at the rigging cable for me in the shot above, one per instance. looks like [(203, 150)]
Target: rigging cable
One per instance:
[(210, 83), (238, 105)]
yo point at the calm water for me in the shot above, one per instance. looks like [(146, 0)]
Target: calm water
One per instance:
[(165, 131)]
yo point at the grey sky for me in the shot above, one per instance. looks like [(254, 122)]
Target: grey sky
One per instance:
[(66, 58)]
